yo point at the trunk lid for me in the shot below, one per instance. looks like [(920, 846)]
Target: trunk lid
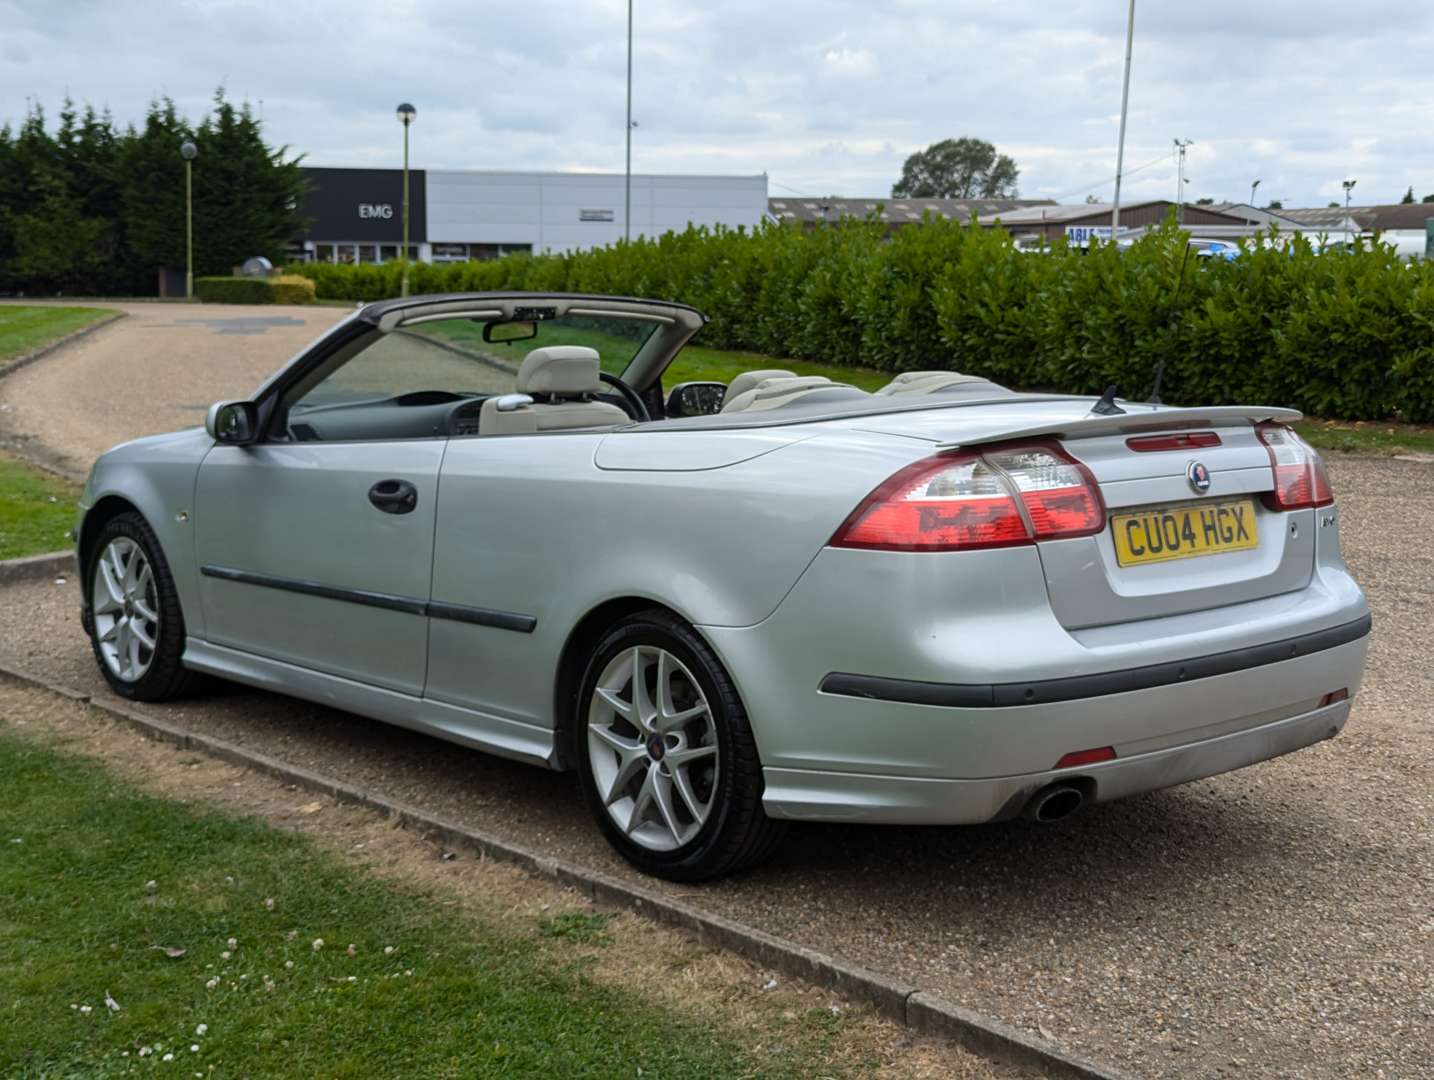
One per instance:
[(1150, 491)]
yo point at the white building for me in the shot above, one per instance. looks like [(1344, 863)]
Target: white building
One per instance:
[(356, 214)]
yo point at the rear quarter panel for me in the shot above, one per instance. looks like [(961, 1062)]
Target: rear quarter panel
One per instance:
[(532, 525)]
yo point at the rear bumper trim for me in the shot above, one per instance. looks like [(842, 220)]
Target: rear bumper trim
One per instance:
[(1073, 687)]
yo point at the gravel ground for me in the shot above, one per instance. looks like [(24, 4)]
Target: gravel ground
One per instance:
[(1276, 922), (157, 370)]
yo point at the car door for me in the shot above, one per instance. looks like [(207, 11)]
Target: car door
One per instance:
[(320, 554), (315, 544)]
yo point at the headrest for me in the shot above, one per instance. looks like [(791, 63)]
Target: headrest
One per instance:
[(749, 379), (927, 382), (563, 370)]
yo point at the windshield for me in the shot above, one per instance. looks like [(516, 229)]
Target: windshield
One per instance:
[(450, 357), (617, 340)]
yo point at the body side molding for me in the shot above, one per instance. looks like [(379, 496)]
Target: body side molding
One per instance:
[(434, 609)]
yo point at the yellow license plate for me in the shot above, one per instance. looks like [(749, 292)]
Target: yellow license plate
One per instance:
[(1160, 533)]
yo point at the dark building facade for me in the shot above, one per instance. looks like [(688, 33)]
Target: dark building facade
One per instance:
[(356, 215)]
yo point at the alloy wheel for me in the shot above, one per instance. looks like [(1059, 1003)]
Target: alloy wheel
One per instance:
[(125, 608), (653, 747)]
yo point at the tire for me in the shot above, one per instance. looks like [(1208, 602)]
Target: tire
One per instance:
[(714, 755), (148, 673)]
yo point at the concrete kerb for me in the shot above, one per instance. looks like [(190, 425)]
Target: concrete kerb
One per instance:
[(9, 367), (37, 567), (918, 1010)]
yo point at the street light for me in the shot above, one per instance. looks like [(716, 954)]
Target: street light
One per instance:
[(406, 115), (627, 174), (1124, 104), (1348, 186), (188, 151), (1253, 185)]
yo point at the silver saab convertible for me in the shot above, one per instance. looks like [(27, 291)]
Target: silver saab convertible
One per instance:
[(481, 516)]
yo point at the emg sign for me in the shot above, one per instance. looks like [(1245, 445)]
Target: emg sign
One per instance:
[(376, 210)]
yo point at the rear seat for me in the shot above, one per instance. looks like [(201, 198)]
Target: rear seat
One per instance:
[(775, 392), (938, 382)]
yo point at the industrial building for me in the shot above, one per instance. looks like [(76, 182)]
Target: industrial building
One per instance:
[(356, 215)]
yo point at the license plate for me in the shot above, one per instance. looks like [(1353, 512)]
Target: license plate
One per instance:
[(1161, 533)]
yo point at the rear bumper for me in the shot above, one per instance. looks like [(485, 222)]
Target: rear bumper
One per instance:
[(827, 796)]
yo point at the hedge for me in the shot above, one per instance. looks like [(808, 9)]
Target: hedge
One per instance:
[(287, 289), (1346, 336)]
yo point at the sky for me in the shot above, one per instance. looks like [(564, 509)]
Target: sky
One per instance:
[(826, 97)]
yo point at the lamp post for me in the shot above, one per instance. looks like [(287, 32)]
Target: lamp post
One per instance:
[(406, 115), (1124, 104), (188, 151), (627, 174), (1348, 186), (1253, 185)]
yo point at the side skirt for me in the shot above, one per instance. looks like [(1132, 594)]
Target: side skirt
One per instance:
[(527, 743)]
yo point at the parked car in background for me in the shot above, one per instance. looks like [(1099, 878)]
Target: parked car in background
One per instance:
[(729, 607)]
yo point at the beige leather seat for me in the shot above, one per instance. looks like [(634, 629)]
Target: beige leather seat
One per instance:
[(560, 379), (773, 393), (748, 380), (927, 382)]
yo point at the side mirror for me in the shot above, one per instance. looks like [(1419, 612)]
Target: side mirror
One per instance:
[(501, 333), (696, 399), (233, 423)]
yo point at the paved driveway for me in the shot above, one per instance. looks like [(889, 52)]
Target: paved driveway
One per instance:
[(1277, 922), (157, 370)]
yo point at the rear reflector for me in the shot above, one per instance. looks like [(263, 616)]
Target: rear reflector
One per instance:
[(978, 499), (1086, 757), (1300, 480), (1334, 698), (1193, 440)]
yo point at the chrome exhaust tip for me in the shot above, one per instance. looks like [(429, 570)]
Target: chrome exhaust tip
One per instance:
[(1054, 803)]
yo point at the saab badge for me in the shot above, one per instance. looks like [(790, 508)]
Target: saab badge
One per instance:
[(1199, 477)]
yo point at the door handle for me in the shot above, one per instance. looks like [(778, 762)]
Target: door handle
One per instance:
[(394, 496)]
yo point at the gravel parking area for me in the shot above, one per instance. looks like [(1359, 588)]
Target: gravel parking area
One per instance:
[(157, 370), (1277, 922)]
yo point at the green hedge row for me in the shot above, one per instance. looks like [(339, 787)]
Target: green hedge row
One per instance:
[(288, 289), (1348, 336)]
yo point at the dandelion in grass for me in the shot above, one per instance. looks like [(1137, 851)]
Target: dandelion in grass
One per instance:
[(233, 943), (211, 984), (202, 1030), (167, 1057), (318, 944)]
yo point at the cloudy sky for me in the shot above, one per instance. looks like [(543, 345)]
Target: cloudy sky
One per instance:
[(825, 96)]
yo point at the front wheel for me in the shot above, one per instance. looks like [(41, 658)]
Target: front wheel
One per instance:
[(666, 754), (136, 626)]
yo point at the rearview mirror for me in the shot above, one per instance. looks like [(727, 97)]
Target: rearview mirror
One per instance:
[(696, 399), (233, 423), (501, 333)]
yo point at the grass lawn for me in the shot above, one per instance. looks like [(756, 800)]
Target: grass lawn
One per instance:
[(24, 329), (1368, 436), (36, 510), (242, 950)]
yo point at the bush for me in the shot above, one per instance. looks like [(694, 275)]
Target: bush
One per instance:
[(287, 289), (1347, 336)]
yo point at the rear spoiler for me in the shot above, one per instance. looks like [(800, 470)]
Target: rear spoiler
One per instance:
[(1138, 420)]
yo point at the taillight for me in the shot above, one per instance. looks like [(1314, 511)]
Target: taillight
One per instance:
[(1300, 480), (996, 498)]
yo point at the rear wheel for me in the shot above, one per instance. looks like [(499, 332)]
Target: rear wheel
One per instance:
[(666, 754), (136, 626)]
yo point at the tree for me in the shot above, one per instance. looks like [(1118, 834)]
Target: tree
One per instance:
[(957, 169), (1206, 201), (1274, 204), (1334, 204), (1408, 196), (1427, 198)]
